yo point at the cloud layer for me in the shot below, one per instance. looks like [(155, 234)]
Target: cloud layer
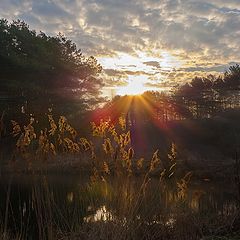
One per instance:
[(165, 41)]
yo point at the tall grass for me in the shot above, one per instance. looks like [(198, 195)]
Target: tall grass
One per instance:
[(120, 207), (108, 151), (114, 209)]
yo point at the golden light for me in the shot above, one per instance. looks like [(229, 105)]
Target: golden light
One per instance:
[(133, 88), (140, 71), (136, 85)]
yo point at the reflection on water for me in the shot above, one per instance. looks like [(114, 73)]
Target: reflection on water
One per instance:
[(72, 198), (101, 214)]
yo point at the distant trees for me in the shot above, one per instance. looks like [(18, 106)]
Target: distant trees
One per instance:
[(203, 97), (47, 71), (232, 78), (206, 96)]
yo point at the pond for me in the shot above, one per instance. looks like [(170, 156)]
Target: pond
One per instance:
[(30, 203)]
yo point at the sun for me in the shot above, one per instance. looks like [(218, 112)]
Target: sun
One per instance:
[(132, 88), (136, 85), (141, 72)]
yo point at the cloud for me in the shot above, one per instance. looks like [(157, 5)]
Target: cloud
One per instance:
[(112, 72), (201, 35), (154, 64), (136, 73), (218, 68)]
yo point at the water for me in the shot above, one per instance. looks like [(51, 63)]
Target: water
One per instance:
[(68, 201)]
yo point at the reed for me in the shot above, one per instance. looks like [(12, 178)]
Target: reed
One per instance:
[(113, 165)]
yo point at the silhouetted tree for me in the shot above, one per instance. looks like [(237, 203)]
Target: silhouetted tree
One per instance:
[(206, 96), (47, 71)]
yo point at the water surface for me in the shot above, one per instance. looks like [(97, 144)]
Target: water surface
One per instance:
[(70, 200)]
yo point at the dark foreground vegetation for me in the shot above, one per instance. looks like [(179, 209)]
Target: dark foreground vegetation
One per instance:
[(135, 153), (117, 208)]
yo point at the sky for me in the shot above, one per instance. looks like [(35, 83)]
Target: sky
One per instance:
[(141, 44)]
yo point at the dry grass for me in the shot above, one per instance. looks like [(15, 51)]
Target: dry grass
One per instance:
[(107, 155), (134, 215)]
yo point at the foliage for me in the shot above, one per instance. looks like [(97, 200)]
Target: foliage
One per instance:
[(46, 70), (109, 150), (206, 96)]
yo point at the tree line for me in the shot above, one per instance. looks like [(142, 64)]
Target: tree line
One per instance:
[(202, 97)]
